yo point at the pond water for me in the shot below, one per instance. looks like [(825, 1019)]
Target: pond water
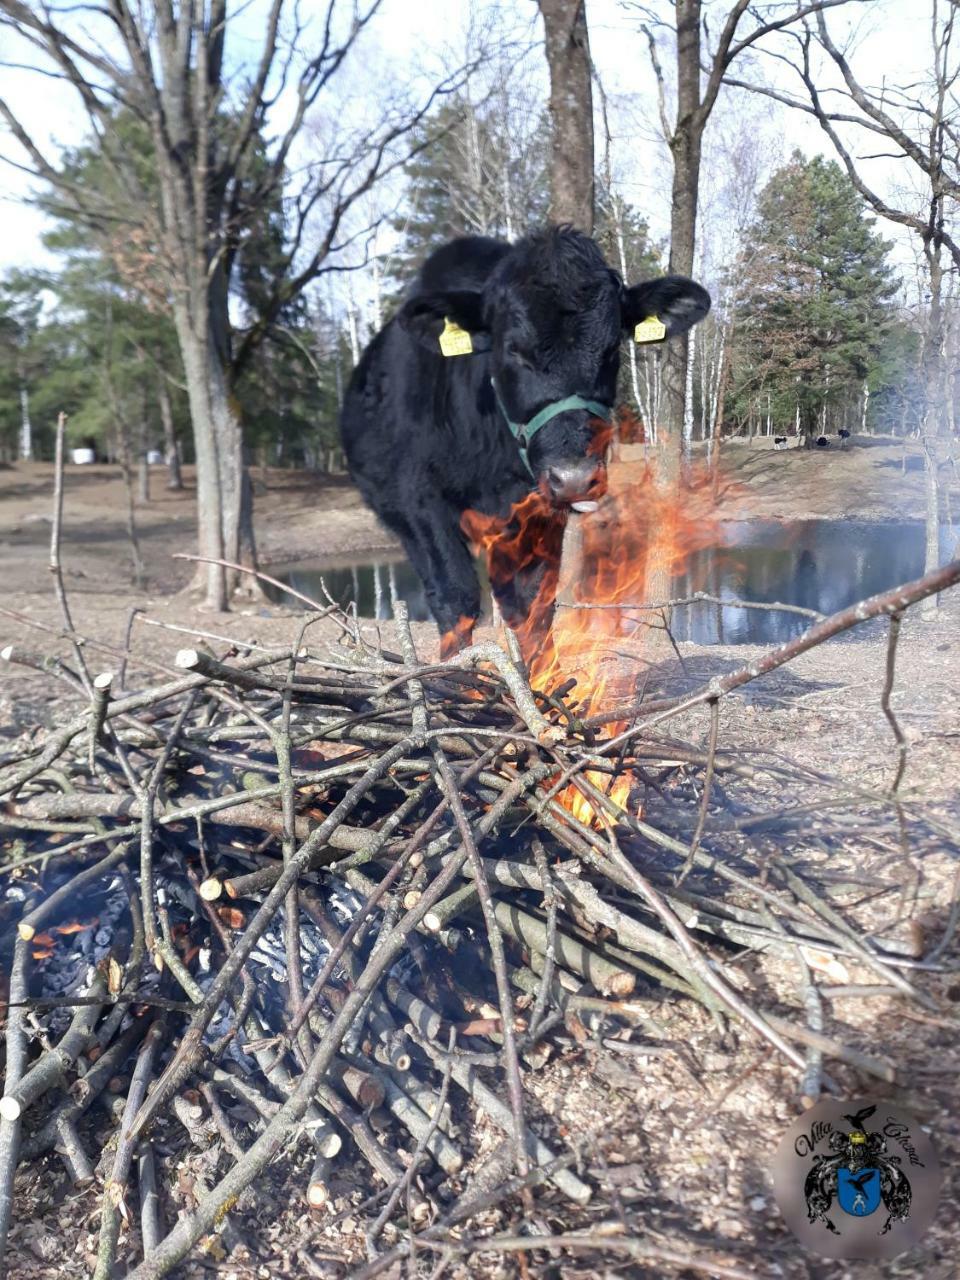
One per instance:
[(819, 564)]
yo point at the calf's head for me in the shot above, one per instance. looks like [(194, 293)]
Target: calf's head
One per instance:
[(549, 323)]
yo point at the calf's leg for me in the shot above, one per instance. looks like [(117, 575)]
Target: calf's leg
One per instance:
[(438, 551)]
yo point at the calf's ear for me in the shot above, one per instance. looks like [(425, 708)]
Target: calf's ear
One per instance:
[(446, 323), (660, 309)]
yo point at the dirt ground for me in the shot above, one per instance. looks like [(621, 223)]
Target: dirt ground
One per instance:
[(682, 1140)]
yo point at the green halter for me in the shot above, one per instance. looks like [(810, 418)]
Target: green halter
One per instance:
[(523, 432)]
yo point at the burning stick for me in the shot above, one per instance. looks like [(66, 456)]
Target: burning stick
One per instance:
[(29, 923), (888, 602)]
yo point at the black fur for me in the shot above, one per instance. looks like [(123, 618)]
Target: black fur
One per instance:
[(424, 437)]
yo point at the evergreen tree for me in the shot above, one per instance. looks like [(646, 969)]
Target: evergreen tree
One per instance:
[(815, 289), (478, 170)]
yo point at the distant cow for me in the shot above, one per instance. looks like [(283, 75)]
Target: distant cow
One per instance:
[(822, 442), (779, 442), (495, 379)]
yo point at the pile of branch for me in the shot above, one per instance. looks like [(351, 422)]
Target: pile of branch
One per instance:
[(338, 890)]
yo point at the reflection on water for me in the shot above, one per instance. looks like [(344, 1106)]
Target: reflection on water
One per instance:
[(819, 564)]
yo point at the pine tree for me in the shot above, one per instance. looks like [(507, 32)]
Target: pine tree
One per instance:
[(478, 170), (815, 295)]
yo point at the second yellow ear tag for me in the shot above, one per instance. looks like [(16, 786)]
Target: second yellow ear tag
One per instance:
[(650, 330), (455, 341)]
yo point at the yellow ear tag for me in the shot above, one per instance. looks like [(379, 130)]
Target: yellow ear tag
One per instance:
[(650, 330), (455, 341)]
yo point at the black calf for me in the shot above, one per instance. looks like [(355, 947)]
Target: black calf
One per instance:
[(492, 382)]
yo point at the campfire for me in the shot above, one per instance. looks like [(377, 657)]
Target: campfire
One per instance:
[(335, 900), (589, 651)]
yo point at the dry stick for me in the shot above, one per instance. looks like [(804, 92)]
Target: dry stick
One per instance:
[(495, 939), (114, 1190), (894, 635), (197, 660), (698, 597), (419, 1124), (70, 1149), (147, 796), (84, 1092), (467, 1207), (12, 782), (532, 933), (285, 587), (45, 663), (888, 602), (16, 1066), (50, 1067), (288, 845), (837, 931), (591, 1242), (550, 953), (187, 1054), (423, 1142), (55, 529), (869, 1065), (99, 701), (189, 1229), (317, 1193), (151, 1231), (707, 785)]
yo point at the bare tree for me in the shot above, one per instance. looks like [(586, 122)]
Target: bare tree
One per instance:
[(165, 64), (921, 121), (700, 74), (571, 112)]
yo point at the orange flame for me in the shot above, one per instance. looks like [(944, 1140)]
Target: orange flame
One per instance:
[(633, 548)]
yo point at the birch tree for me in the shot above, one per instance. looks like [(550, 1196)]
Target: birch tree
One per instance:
[(700, 72)]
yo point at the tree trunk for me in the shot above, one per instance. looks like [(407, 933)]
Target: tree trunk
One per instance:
[(685, 146), (933, 414), (219, 448), (124, 457), (26, 428), (571, 176), (172, 453), (571, 112), (143, 478)]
